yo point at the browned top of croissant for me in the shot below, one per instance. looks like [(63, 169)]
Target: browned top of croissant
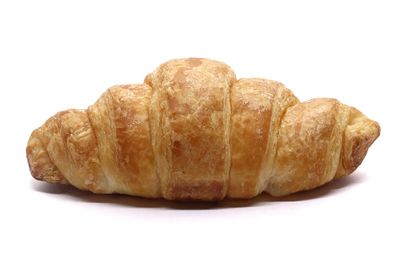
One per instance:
[(193, 131)]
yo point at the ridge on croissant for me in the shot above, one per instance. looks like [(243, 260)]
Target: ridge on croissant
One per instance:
[(193, 131)]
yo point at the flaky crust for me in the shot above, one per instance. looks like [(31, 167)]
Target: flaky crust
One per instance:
[(192, 131)]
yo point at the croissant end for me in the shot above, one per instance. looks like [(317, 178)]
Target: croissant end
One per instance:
[(40, 164), (359, 135)]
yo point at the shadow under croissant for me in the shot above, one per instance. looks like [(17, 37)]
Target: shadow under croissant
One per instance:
[(138, 202)]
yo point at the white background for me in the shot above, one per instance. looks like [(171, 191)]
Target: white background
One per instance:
[(55, 56)]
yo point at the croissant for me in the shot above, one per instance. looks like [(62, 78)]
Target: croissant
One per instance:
[(192, 131)]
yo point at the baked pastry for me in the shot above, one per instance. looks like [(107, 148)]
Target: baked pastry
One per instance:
[(192, 131)]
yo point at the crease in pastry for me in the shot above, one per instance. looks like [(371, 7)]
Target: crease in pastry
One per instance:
[(284, 96), (105, 179), (227, 114), (152, 139), (337, 143), (229, 133), (101, 114)]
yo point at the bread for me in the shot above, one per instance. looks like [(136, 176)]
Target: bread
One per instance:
[(192, 131)]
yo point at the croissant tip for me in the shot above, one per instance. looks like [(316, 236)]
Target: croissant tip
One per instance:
[(360, 134), (40, 165)]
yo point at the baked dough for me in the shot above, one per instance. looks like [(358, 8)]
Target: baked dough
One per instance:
[(193, 131)]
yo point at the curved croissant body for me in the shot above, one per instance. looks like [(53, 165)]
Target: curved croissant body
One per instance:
[(192, 131)]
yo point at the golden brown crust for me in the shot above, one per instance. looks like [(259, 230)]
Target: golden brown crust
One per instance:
[(257, 104), (133, 139), (194, 111), (121, 123), (191, 131), (40, 164), (309, 145), (73, 148), (358, 136)]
